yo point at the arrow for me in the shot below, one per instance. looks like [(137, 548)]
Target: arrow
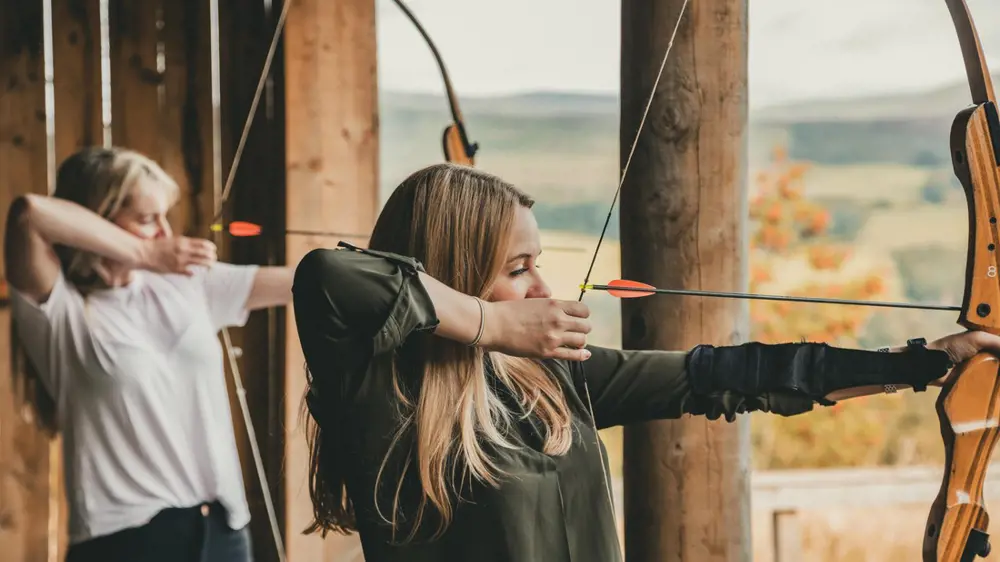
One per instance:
[(239, 228), (245, 229), (625, 289)]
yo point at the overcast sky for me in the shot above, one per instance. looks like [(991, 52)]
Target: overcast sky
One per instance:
[(798, 48)]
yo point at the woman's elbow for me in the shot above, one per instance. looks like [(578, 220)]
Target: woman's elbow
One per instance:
[(21, 210)]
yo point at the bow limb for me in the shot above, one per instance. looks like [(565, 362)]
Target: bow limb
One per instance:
[(455, 140), (978, 73), (968, 407)]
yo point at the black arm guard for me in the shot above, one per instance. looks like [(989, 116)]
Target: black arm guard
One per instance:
[(811, 370)]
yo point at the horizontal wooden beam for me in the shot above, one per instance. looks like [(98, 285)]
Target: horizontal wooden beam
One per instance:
[(847, 488), (854, 487)]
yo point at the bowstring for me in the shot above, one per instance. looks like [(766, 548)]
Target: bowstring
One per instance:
[(593, 260), (219, 212)]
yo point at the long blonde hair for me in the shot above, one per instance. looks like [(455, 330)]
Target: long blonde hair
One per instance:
[(456, 221), (102, 180)]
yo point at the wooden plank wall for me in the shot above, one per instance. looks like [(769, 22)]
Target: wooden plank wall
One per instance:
[(160, 101), (157, 97), (25, 449)]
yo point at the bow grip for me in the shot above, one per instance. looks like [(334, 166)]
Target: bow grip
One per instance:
[(968, 410)]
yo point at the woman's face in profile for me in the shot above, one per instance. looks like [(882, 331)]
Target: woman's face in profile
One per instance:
[(145, 212), (520, 278)]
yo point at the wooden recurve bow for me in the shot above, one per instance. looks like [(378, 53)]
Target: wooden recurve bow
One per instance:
[(455, 140), (969, 405)]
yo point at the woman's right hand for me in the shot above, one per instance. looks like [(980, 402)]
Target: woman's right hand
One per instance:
[(543, 328), (177, 254)]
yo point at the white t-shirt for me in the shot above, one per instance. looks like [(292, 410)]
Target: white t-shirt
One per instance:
[(138, 377)]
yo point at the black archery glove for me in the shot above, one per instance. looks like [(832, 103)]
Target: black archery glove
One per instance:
[(787, 378)]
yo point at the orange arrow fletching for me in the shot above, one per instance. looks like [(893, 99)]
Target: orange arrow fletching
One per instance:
[(242, 228), (632, 285)]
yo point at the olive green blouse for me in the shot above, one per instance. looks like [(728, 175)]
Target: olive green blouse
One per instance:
[(356, 309)]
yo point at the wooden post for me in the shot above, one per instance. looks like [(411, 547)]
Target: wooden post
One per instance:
[(331, 105), (25, 452), (683, 217), (787, 536)]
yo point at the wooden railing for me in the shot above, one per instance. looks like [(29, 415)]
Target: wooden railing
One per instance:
[(783, 494)]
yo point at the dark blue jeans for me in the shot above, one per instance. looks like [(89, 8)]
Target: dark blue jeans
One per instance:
[(190, 534)]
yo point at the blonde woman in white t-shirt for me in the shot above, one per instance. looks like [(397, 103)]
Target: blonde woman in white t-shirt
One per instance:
[(119, 318)]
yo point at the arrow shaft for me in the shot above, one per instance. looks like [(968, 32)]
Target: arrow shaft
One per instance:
[(302, 232), (756, 296)]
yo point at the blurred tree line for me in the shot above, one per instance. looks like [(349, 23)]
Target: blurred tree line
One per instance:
[(790, 239)]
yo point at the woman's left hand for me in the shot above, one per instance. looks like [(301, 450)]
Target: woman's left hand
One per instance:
[(964, 345)]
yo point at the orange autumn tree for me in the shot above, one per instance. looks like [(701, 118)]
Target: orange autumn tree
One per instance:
[(789, 243), (792, 254)]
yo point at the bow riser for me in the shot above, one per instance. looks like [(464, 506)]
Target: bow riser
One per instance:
[(455, 146), (974, 156), (968, 406), (968, 411)]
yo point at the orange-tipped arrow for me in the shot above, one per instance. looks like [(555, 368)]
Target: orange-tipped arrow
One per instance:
[(239, 228), (244, 229), (627, 289)]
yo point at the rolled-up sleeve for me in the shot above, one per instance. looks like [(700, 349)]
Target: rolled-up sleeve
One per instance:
[(352, 305), (634, 386)]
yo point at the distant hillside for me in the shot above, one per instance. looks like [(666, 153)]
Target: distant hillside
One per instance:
[(522, 105), (905, 129), (556, 146), (910, 129), (930, 105), (563, 147)]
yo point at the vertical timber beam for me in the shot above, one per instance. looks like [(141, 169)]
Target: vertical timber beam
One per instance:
[(135, 78), (161, 101), (76, 61), (25, 451), (258, 196), (683, 217), (186, 125), (78, 123), (331, 101)]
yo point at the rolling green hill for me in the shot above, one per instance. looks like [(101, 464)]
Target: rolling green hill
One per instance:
[(563, 148)]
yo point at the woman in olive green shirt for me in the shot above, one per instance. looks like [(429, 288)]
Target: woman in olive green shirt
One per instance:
[(452, 397)]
